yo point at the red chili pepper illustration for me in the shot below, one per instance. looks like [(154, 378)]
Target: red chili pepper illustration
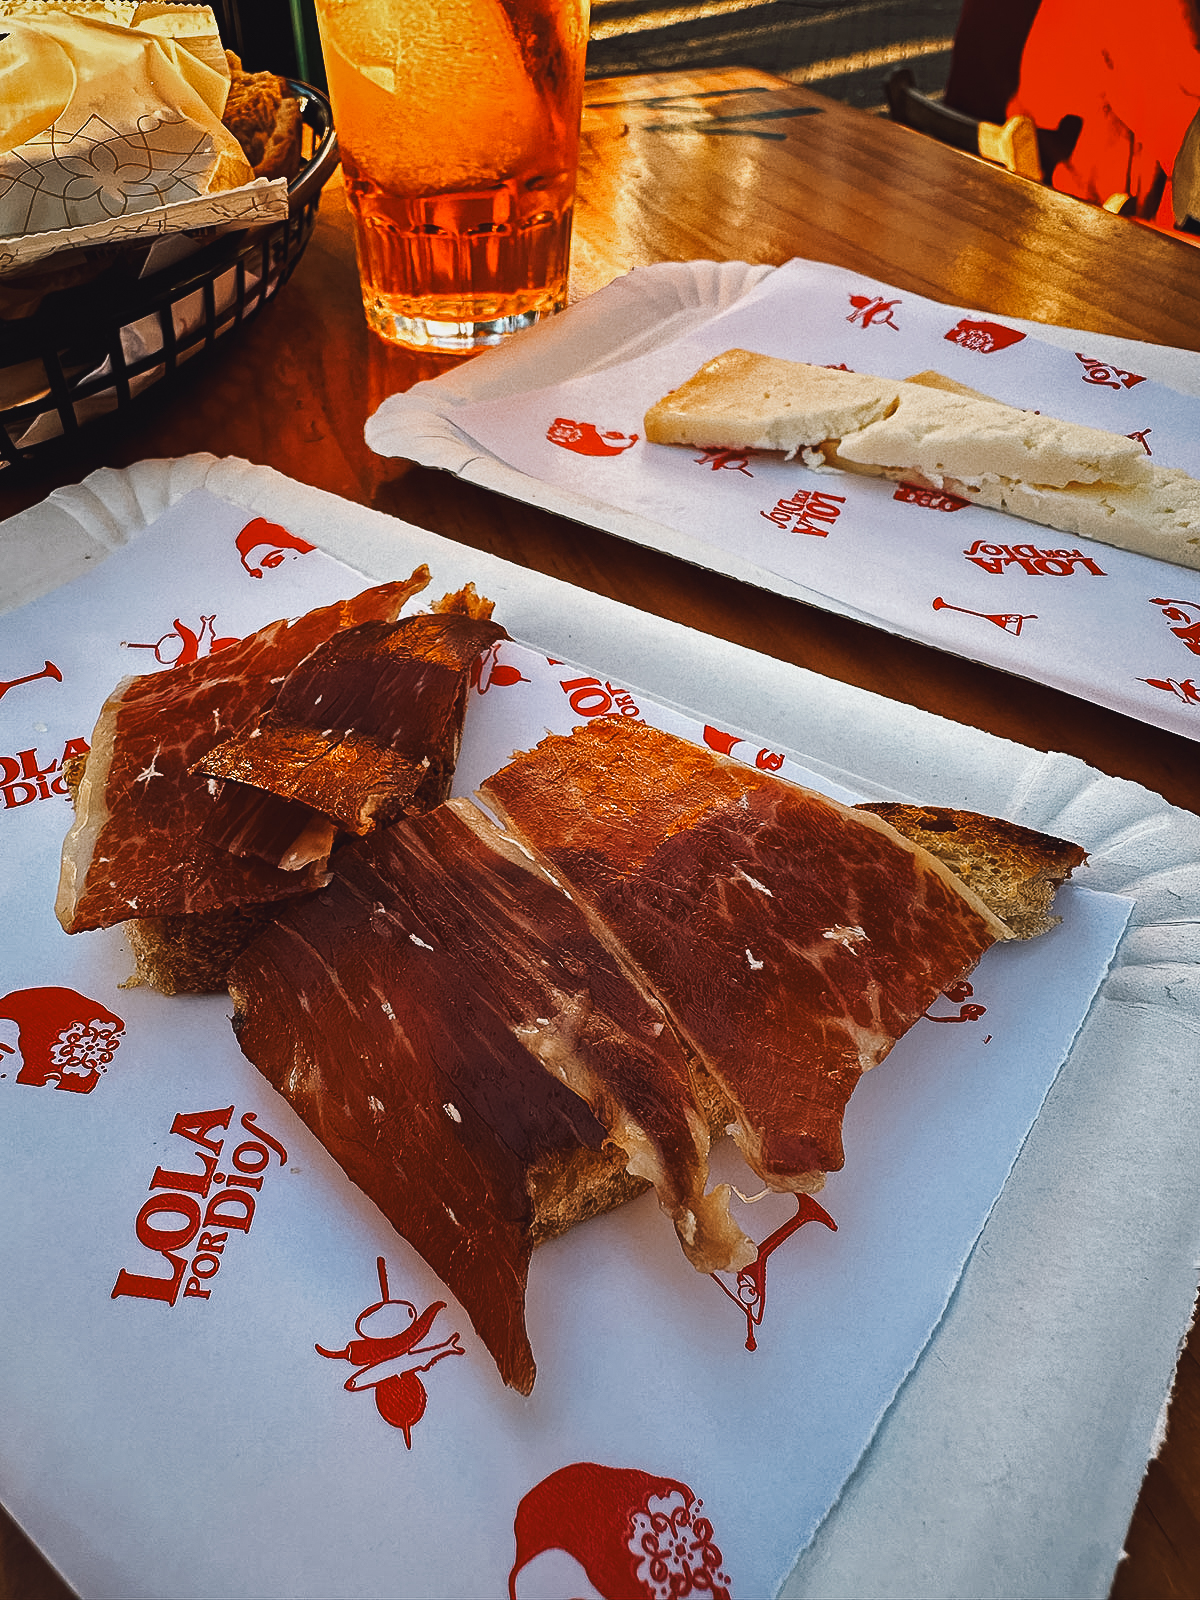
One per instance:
[(386, 1351)]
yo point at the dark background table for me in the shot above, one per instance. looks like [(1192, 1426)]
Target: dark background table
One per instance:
[(729, 164)]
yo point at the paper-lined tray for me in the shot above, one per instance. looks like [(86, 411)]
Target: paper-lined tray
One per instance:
[(557, 420), (239, 1422)]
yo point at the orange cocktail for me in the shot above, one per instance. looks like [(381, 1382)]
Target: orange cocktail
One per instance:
[(458, 123)]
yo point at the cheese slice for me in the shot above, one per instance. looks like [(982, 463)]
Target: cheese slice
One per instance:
[(744, 401), (933, 432)]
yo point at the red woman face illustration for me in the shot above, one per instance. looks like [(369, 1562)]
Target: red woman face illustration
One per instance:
[(586, 439), (262, 544), (635, 1536), (63, 1040)]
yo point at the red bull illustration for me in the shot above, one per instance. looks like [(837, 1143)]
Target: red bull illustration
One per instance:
[(750, 1286), (721, 460), (1185, 689), (1184, 617), (959, 994), (182, 644), (489, 672), (872, 311)]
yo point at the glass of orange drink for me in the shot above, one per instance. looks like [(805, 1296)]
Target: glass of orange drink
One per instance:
[(458, 125)]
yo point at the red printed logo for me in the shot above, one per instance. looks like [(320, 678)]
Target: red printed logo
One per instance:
[(723, 743), (263, 545), (872, 311), (957, 993), (183, 644), (23, 778), (585, 438), (590, 697), (1037, 562), (389, 1353), (1107, 376), (191, 1212), (48, 671), (489, 672), (1185, 617), (724, 460), (1187, 690), (808, 511), (1011, 621), (59, 1038), (914, 494), (975, 333), (636, 1536), (750, 1286)]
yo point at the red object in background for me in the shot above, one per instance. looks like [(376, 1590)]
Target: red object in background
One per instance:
[(1130, 75)]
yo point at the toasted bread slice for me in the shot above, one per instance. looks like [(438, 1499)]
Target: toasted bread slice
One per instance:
[(1014, 870)]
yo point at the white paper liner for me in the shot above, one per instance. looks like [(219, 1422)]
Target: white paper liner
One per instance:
[(250, 206), (487, 421), (1065, 1326)]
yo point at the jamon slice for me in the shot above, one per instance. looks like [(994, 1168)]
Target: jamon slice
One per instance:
[(430, 1016), (136, 848), (366, 727), (792, 940)]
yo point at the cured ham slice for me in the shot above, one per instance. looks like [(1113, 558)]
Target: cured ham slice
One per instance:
[(366, 727), (137, 848), (792, 940), (444, 1020)]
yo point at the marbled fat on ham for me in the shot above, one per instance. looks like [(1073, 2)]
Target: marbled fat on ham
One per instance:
[(792, 940), (136, 848), (430, 1016), (366, 727)]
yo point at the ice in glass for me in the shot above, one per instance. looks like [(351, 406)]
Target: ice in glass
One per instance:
[(458, 123)]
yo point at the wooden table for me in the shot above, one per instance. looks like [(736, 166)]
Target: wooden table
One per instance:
[(730, 164)]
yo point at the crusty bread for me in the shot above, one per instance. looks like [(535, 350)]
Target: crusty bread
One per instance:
[(191, 954), (183, 954), (1014, 870), (933, 432), (264, 117)]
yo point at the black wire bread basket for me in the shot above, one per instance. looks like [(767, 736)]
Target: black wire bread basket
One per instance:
[(90, 351)]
